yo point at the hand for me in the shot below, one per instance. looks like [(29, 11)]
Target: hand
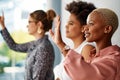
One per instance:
[(2, 21), (56, 35), (58, 79)]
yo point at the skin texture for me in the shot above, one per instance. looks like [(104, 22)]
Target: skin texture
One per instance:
[(73, 28), (95, 31)]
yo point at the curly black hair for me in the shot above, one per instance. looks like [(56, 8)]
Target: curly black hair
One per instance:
[(80, 9)]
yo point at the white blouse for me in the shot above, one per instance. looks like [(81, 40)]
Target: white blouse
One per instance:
[(59, 69)]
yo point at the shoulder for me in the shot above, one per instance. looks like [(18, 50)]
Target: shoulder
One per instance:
[(89, 44), (87, 48), (86, 51)]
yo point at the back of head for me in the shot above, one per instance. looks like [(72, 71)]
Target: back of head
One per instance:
[(45, 17), (109, 17), (80, 9), (50, 16)]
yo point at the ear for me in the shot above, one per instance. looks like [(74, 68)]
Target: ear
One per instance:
[(39, 24), (83, 28), (108, 29)]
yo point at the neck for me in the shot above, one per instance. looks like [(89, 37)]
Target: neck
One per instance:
[(38, 36), (102, 45), (77, 42)]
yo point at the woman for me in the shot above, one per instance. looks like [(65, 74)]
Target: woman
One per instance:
[(40, 57), (77, 20), (105, 65)]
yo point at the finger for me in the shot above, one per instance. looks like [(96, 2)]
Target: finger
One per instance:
[(51, 33), (57, 79), (2, 13), (2, 17), (58, 22), (57, 17)]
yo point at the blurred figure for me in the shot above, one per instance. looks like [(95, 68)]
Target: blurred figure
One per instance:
[(40, 53), (79, 11), (105, 65)]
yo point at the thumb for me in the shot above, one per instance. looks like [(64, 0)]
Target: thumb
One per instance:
[(51, 33)]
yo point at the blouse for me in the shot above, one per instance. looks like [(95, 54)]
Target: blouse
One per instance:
[(105, 65), (59, 69), (40, 56)]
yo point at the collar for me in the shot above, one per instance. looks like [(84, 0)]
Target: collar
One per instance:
[(107, 50)]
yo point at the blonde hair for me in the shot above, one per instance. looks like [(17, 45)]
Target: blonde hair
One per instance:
[(109, 16)]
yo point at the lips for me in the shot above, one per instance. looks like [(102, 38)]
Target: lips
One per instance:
[(67, 31), (87, 34)]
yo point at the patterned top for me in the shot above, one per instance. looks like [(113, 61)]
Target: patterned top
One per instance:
[(40, 57)]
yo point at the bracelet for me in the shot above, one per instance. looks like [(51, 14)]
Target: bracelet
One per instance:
[(66, 48)]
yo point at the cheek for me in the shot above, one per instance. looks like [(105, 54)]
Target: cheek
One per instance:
[(32, 29), (77, 32), (75, 29), (97, 34)]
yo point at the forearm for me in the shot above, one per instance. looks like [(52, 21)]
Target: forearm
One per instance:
[(62, 46), (75, 64), (11, 43), (2, 26)]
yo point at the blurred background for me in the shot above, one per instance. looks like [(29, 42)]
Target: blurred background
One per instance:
[(16, 17)]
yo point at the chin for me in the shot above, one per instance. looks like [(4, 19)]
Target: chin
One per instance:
[(68, 37), (30, 33), (89, 40)]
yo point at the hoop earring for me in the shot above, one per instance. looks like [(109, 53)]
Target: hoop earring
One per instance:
[(39, 30)]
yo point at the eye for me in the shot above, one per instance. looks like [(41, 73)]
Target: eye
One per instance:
[(31, 22), (70, 23), (90, 23)]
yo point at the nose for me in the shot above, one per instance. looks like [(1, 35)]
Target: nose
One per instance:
[(66, 26), (85, 28), (27, 26)]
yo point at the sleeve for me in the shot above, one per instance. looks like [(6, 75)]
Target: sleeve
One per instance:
[(43, 61), (78, 69), (11, 43)]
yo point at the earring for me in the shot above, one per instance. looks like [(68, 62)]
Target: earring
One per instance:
[(106, 31), (39, 30)]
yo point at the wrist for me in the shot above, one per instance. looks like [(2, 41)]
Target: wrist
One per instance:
[(61, 44), (2, 26), (65, 48)]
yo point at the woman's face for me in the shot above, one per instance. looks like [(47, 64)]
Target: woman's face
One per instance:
[(32, 26), (73, 27), (94, 30)]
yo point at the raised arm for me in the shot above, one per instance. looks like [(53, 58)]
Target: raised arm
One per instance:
[(56, 36), (11, 43), (100, 69), (2, 21)]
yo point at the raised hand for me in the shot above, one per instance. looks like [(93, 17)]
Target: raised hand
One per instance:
[(56, 35), (2, 21), (57, 79)]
